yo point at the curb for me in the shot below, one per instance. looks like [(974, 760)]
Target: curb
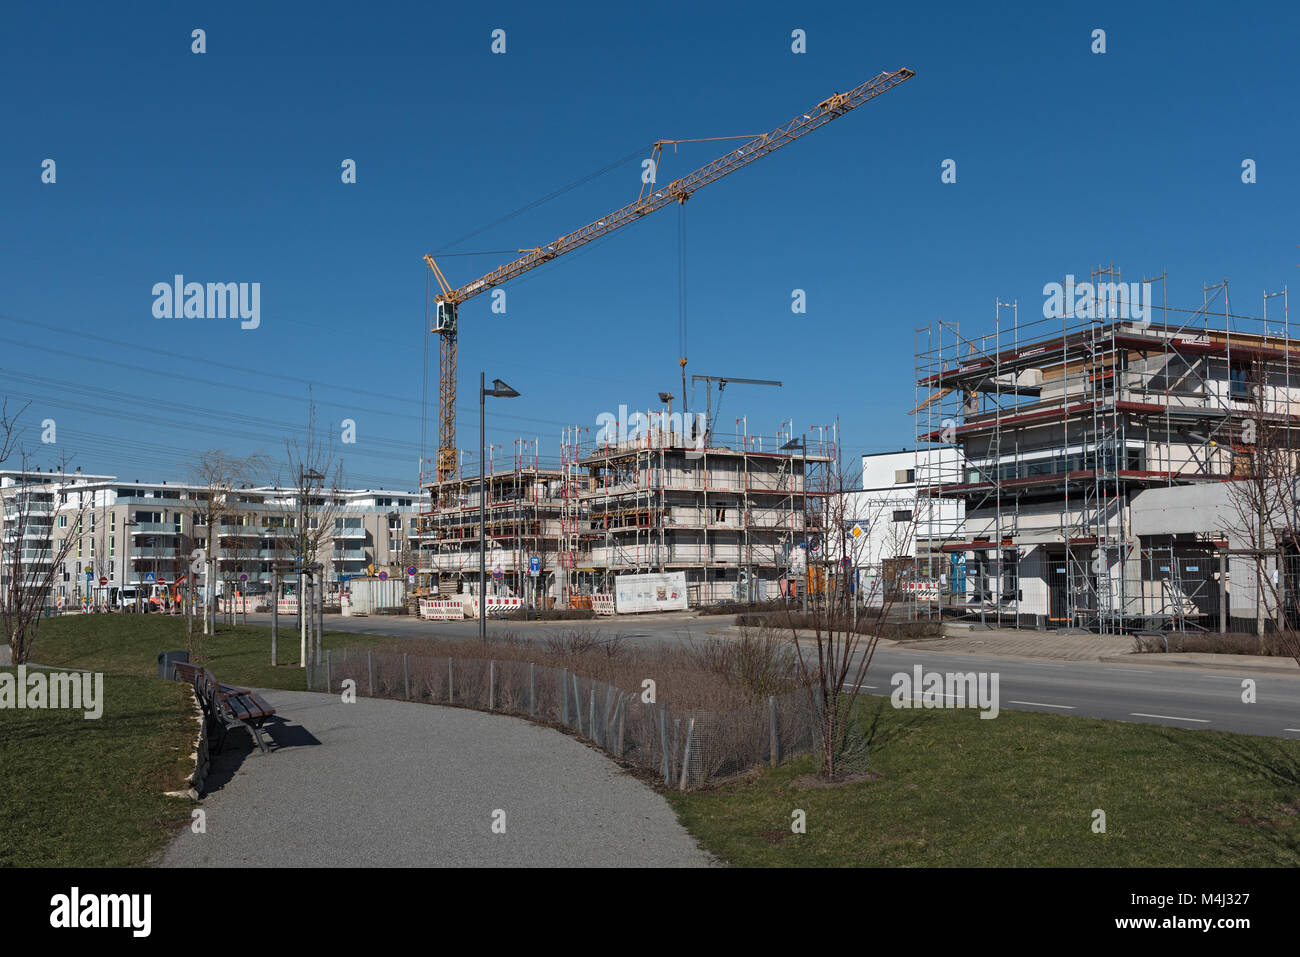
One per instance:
[(1154, 659)]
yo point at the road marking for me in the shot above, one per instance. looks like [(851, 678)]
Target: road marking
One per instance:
[(1040, 704), (1296, 730), (1167, 717), (1229, 677), (1131, 671)]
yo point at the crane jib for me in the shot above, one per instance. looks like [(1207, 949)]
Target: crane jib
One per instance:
[(679, 190)]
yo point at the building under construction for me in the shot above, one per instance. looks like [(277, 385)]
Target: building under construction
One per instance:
[(522, 522), (734, 514), (1098, 453)]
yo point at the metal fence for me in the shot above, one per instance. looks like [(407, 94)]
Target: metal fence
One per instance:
[(685, 748)]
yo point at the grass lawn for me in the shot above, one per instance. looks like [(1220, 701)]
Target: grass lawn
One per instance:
[(1018, 791), (78, 793), (129, 644), (90, 793)]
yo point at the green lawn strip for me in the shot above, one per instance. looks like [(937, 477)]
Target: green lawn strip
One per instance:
[(1019, 790), (129, 644), (85, 793), (89, 793)]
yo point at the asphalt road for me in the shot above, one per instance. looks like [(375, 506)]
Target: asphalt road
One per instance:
[(390, 783), (1182, 697)]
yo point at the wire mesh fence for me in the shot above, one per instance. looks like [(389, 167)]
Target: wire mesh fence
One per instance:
[(684, 748)]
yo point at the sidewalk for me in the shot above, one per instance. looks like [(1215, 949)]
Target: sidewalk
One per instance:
[(395, 784)]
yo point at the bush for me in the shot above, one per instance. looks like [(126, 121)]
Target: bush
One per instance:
[(1233, 643)]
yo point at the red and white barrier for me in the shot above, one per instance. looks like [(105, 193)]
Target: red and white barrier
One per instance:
[(495, 605), (602, 604), (287, 606), (442, 610), (922, 591)]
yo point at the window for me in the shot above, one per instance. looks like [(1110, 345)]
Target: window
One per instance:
[(902, 514), (111, 544), (1239, 380), (63, 521)]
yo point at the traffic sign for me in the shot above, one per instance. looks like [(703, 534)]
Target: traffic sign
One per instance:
[(534, 565), (243, 576), (845, 563), (383, 576), (497, 574), (103, 581), (149, 577), (410, 570)]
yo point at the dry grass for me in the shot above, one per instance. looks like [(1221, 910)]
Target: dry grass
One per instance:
[(719, 694)]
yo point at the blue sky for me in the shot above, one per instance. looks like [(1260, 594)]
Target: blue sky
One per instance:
[(225, 166)]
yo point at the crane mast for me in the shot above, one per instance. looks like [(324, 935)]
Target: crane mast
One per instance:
[(447, 301)]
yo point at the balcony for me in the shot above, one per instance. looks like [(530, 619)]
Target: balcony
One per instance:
[(240, 531), (154, 552), (156, 528), (349, 531), (349, 555)]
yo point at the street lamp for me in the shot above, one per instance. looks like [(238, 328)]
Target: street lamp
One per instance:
[(501, 391), (803, 475)]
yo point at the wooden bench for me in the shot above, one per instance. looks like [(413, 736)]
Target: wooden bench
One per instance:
[(225, 706)]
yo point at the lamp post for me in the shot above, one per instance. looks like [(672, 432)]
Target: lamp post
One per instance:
[(803, 476), (501, 391)]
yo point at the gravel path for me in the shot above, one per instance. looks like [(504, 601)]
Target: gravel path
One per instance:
[(389, 783)]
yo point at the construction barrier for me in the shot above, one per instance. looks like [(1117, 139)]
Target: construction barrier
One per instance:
[(240, 605), (495, 605), (439, 610), (287, 606), (602, 604), (921, 591)]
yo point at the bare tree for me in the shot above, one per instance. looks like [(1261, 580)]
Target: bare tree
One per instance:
[(218, 476), (1265, 508), (314, 474), (845, 621), (29, 558)]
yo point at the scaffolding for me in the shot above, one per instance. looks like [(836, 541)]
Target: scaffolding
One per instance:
[(523, 521), (729, 511), (1059, 422)]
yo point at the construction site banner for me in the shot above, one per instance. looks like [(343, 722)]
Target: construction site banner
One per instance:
[(659, 592)]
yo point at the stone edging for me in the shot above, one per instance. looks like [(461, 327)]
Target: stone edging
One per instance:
[(202, 758)]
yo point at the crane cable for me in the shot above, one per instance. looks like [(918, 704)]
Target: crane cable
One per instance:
[(681, 298)]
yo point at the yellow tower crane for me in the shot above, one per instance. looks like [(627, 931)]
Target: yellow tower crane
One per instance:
[(448, 300)]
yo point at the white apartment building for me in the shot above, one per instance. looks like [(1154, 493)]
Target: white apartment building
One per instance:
[(124, 532)]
